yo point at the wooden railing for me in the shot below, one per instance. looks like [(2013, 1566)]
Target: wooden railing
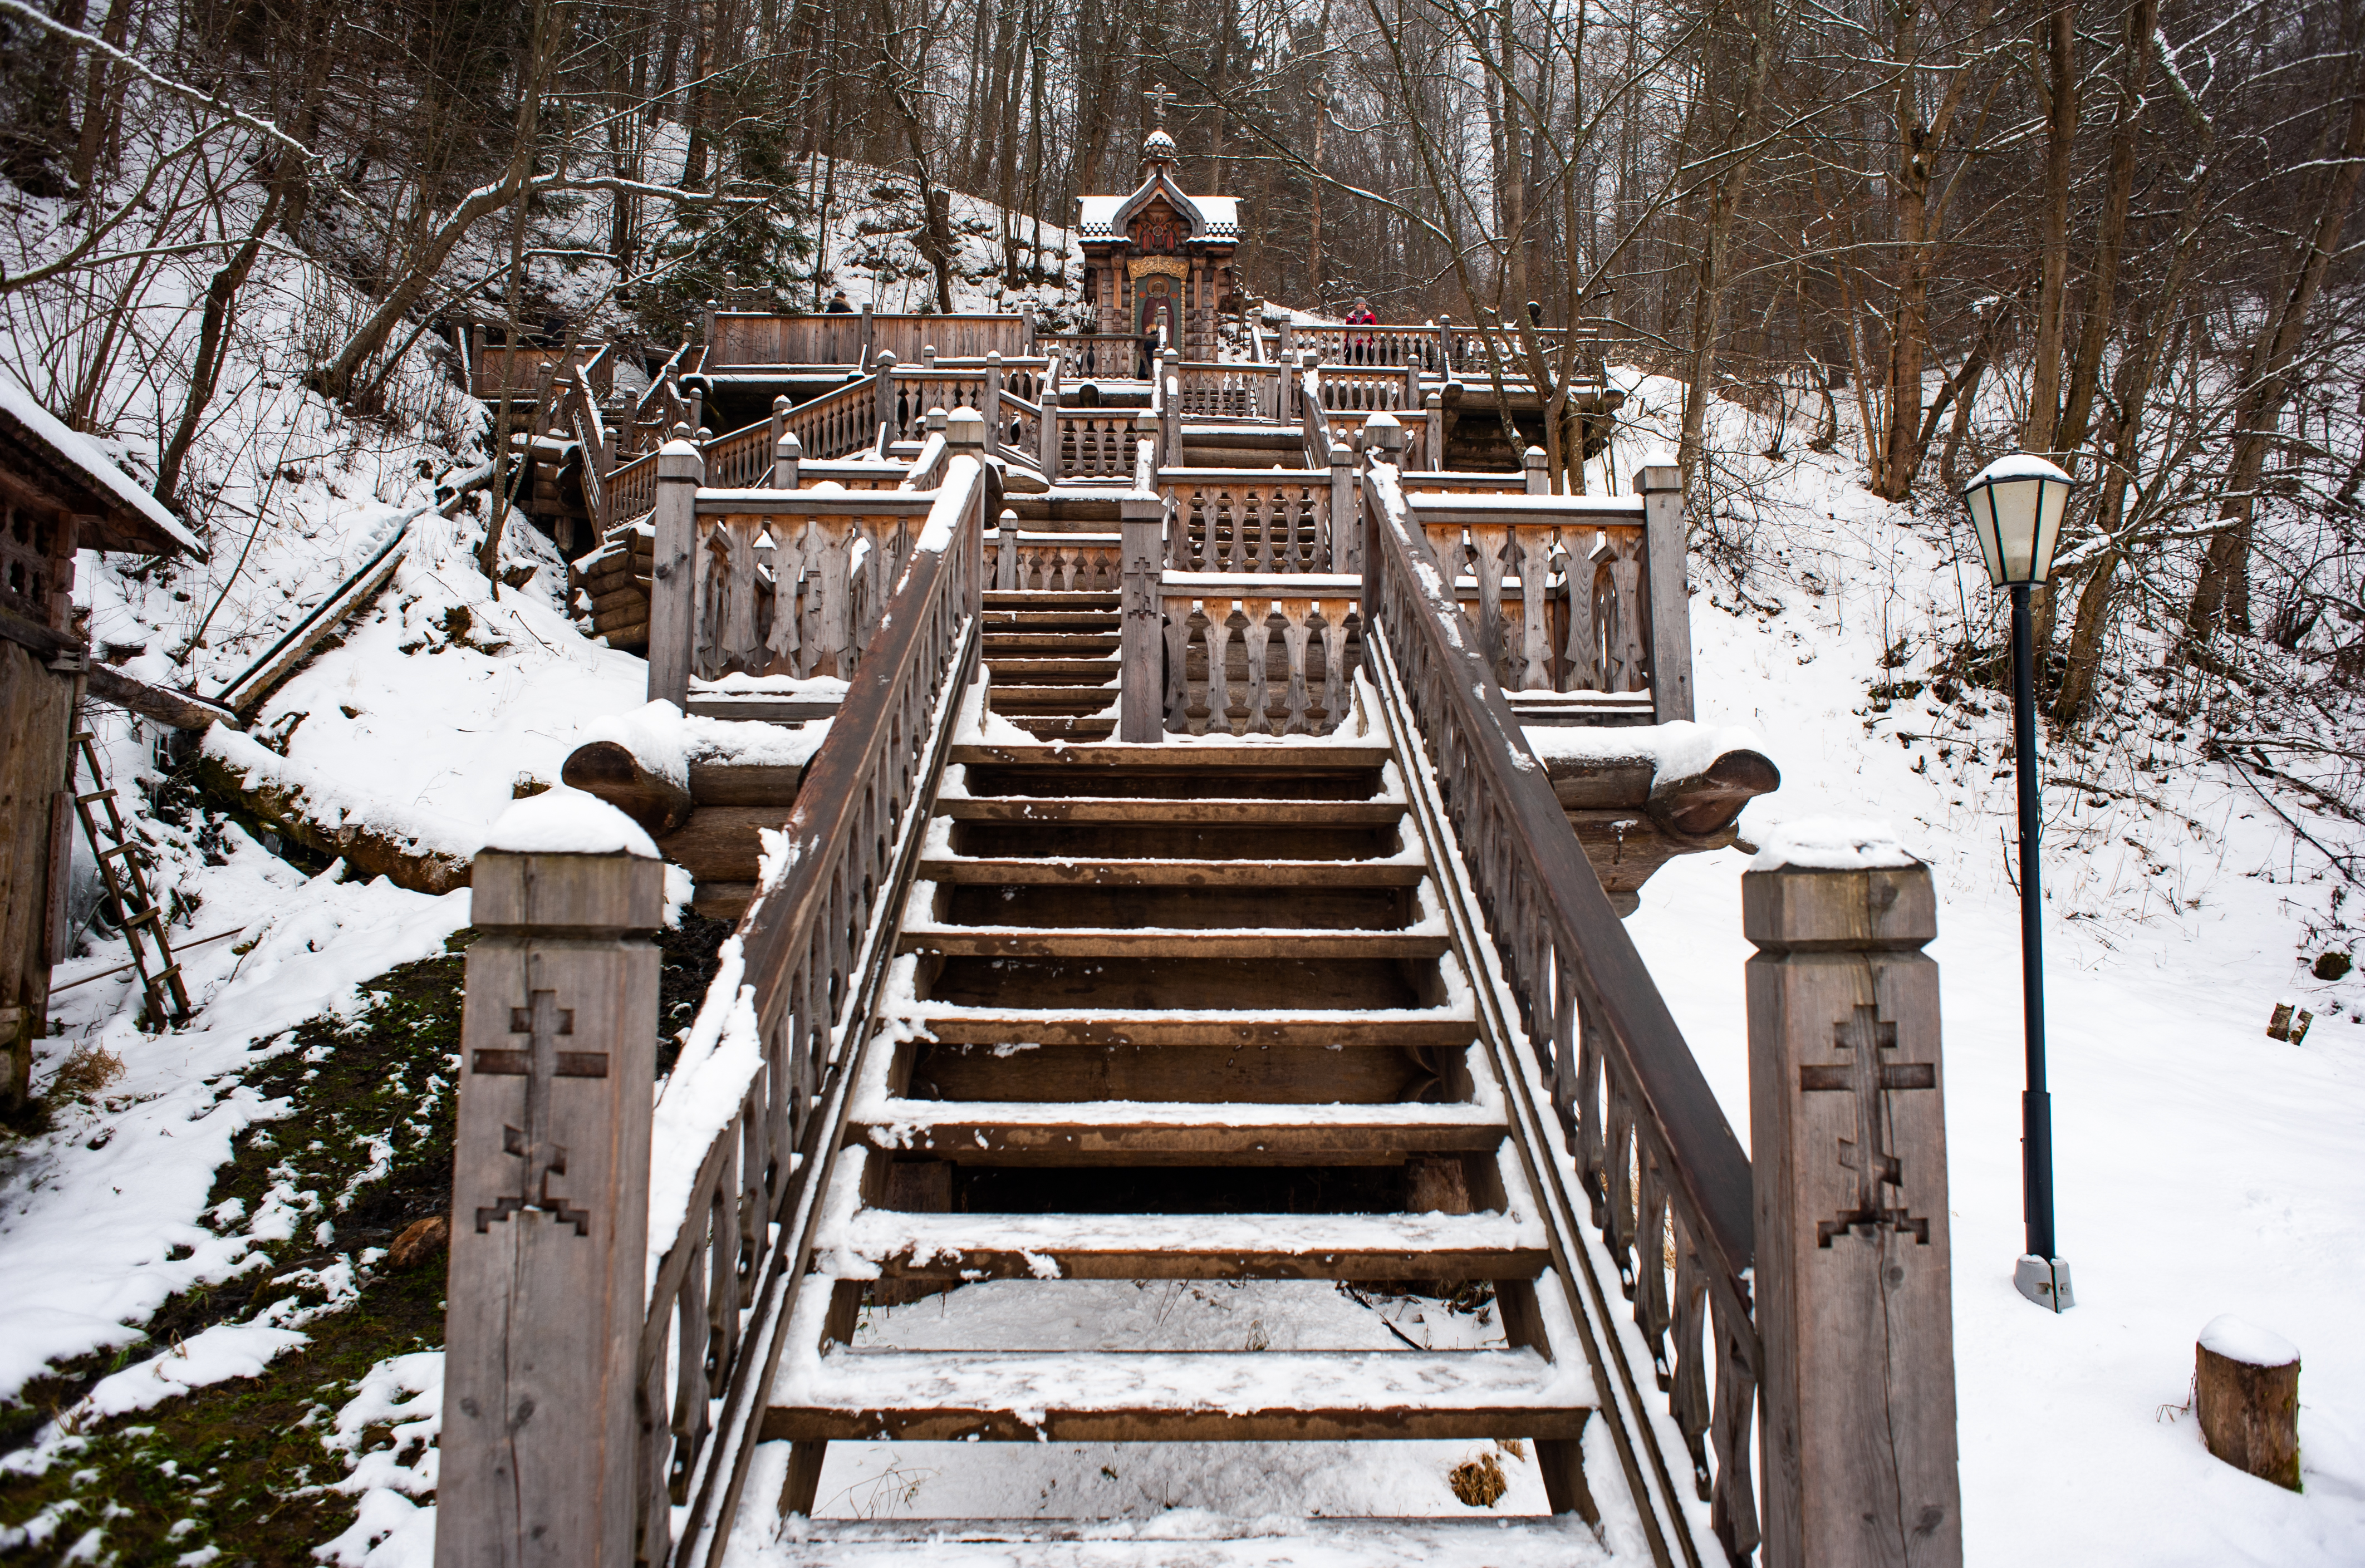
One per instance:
[(1020, 425), (1207, 614), (1249, 519), (1575, 593), (837, 423), (1111, 356), (857, 339), (1419, 347), (1094, 443), (814, 946), (1352, 389), (1662, 1174), (1055, 563), (1230, 390)]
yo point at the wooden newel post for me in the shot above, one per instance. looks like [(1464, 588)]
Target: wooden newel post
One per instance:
[(547, 1291), (1848, 1155), (788, 456), (1432, 456), (1667, 551), (1531, 464), (1141, 686), (1047, 432), (673, 587)]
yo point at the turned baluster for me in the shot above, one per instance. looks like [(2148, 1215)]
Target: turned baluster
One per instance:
[(1254, 638), (1295, 629)]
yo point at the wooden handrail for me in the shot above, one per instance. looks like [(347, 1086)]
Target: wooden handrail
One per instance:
[(1652, 1147), (811, 953)]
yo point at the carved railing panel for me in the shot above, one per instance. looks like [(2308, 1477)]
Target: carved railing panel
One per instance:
[(810, 967), (1378, 345), (1056, 563), (793, 582), (835, 423), (1246, 520), (1262, 655), (1096, 443), (1660, 1168), (1349, 390), (1115, 356), (1587, 626), (1239, 391)]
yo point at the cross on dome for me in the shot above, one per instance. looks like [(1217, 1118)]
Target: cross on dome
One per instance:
[(1158, 95)]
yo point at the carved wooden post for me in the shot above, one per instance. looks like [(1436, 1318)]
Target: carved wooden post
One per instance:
[(779, 419), (1532, 462), (706, 324), (1445, 348), (1666, 549), (1005, 552), (1848, 1154), (546, 1295), (1384, 441), (788, 455), (1412, 386), (673, 587), (1432, 457), (1170, 386), (865, 331), (1141, 694), (992, 403), (1049, 434), (884, 401), (1346, 541)]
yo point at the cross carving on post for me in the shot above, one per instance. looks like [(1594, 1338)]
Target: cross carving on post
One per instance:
[(1158, 95), (542, 1022), (1866, 1077)]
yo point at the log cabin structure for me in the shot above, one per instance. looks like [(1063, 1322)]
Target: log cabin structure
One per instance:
[(59, 495)]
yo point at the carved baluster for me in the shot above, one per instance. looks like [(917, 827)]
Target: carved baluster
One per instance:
[(829, 549), (1626, 626), (714, 589), (1733, 1510), (1583, 672), (1488, 542), (1294, 631), (1255, 640), (1651, 1259), (1178, 686), (1334, 658), (739, 644), (1619, 1181), (687, 1397), (1592, 1143), (1219, 635), (1689, 1396), (1535, 543), (723, 1269)]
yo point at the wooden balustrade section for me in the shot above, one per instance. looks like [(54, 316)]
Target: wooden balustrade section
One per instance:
[(737, 338), (1247, 520), (1661, 1168), (1608, 612), (814, 960), (1093, 443), (1258, 653), (1055, 563)]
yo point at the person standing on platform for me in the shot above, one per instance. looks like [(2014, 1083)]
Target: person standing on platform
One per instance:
[(1359, 344)]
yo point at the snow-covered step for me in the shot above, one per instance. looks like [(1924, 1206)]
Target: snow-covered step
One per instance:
[(1169, 1396), (1161, 1132), (1283, 753), (1408, 1029), (858, 1242), (1102, 873), (1220, 811), (1276, 942)]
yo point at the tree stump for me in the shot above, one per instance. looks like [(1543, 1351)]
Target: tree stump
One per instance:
[(2246, 1387)]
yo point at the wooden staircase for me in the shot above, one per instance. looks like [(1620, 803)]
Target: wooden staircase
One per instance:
[(1189, 1012), (1053, 659)]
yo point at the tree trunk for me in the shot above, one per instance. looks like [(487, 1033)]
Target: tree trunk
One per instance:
[(2061, 135)]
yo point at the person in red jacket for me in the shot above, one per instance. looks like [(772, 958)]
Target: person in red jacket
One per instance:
[(1359, 344)]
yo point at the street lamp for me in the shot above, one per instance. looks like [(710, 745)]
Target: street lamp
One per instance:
[(2016, 506)]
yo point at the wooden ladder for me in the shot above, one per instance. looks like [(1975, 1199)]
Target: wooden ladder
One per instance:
[(118, 863), (1141, 989)]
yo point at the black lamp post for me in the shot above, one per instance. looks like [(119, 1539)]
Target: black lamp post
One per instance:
[(2016, 506)]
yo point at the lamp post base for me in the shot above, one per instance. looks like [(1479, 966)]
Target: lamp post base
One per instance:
[(2044, 1281)]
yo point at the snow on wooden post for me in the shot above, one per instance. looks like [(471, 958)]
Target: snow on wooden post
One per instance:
[(882, 410), (788, 455), (1848, 1157), (1432, 454), (779, 419), (673, 587), (1666, 548), (1346, 542), (547, 1294), (1532, 464), (2245, 1391), (1048, 433), (1141, 693), (1169, 382)]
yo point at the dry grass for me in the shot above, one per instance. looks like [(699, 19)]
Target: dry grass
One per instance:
[(86, 1074), (1479, 1482)]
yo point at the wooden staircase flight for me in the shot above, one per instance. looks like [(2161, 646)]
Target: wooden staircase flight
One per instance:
[(1186, 1011)]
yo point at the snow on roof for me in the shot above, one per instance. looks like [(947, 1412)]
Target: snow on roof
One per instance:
[(568, 822), (1098, 219), (82, 455), (1830, 843)]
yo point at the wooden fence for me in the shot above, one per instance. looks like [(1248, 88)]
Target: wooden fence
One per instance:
[(740, 339)]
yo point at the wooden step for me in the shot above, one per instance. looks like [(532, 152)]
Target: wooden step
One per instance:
[(1052, 672), (1047, 598), (1168, 1395), (1152, 1132), (1278, 753), (1405, 1030), (1063, 727), (1048, 644), (997, 621), (1175, 873), (1278, 942), (857, 1241), (1053, 699), (1215, 812)]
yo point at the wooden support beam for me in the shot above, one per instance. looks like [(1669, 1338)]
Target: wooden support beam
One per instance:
[(1666, 548)]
